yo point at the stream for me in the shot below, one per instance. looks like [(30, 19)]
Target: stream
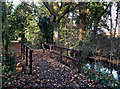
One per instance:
[(103, 67)]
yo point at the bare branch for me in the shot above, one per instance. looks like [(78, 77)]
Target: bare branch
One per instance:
[(49, 8)]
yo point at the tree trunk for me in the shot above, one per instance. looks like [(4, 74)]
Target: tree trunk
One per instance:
[(96, 27), (6, 32), (0, 43), (119, 20), (117, 10), (80, 32), (56, 34), (81, 21), (23, 39), (80, 26)]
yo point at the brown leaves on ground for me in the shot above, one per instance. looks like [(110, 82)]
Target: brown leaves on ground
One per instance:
[(46, 73)]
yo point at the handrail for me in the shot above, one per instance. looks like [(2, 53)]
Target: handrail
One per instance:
[(78, 60), (24, 51), (63, 48), (74, 59), (27, 46)]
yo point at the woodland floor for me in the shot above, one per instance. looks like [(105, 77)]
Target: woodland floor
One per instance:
[(47, 73)]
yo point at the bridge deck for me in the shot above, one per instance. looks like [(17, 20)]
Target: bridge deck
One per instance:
[(46, 72)]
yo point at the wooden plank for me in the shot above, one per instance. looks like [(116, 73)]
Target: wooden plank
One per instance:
[(28, 47), (99, 58), (60, 54), (106, 59), (23, 47), (55, 52), (63, 48), (78, 60)]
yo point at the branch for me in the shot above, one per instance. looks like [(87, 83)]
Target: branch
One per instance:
[(103, 12), (61, 7), (75, 27), (73, 8), (5, 17), (49, 7), (64, 13), (68, 9), (36, 8)]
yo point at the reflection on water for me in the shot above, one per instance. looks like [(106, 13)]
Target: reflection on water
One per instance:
[(103, 69), (88, 65), (115, 75)]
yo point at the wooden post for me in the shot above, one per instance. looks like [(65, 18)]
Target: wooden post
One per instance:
[(61, 55), (53, 46), (23, 52), (21, 49), (74, 55), (50, 51), (26, 56), (43, 48), (67, 52), (31, 61), (24, 67), (79, 61)]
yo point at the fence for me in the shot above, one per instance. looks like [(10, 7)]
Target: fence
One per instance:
[(53, 51), (26, 53)]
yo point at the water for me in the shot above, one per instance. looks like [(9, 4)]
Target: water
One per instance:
[(99, 66)]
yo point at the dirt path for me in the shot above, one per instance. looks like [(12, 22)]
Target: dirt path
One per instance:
[(46, 73)]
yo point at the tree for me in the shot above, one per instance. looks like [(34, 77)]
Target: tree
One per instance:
[(11, 21), (46, 28), (0, 43), (81, 19), (33, 33), (96, 11), (118, 13), (21, 13), (55, 12), (6, 38)]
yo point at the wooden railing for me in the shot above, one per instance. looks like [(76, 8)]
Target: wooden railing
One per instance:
[(52, 48), (26, 53)]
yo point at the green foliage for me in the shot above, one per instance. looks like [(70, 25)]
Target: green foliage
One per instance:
[(68, 35), (96, 11), (21, 13), (34, 37), (98, 77), (8, 65), (46, 28), (24, 22)]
